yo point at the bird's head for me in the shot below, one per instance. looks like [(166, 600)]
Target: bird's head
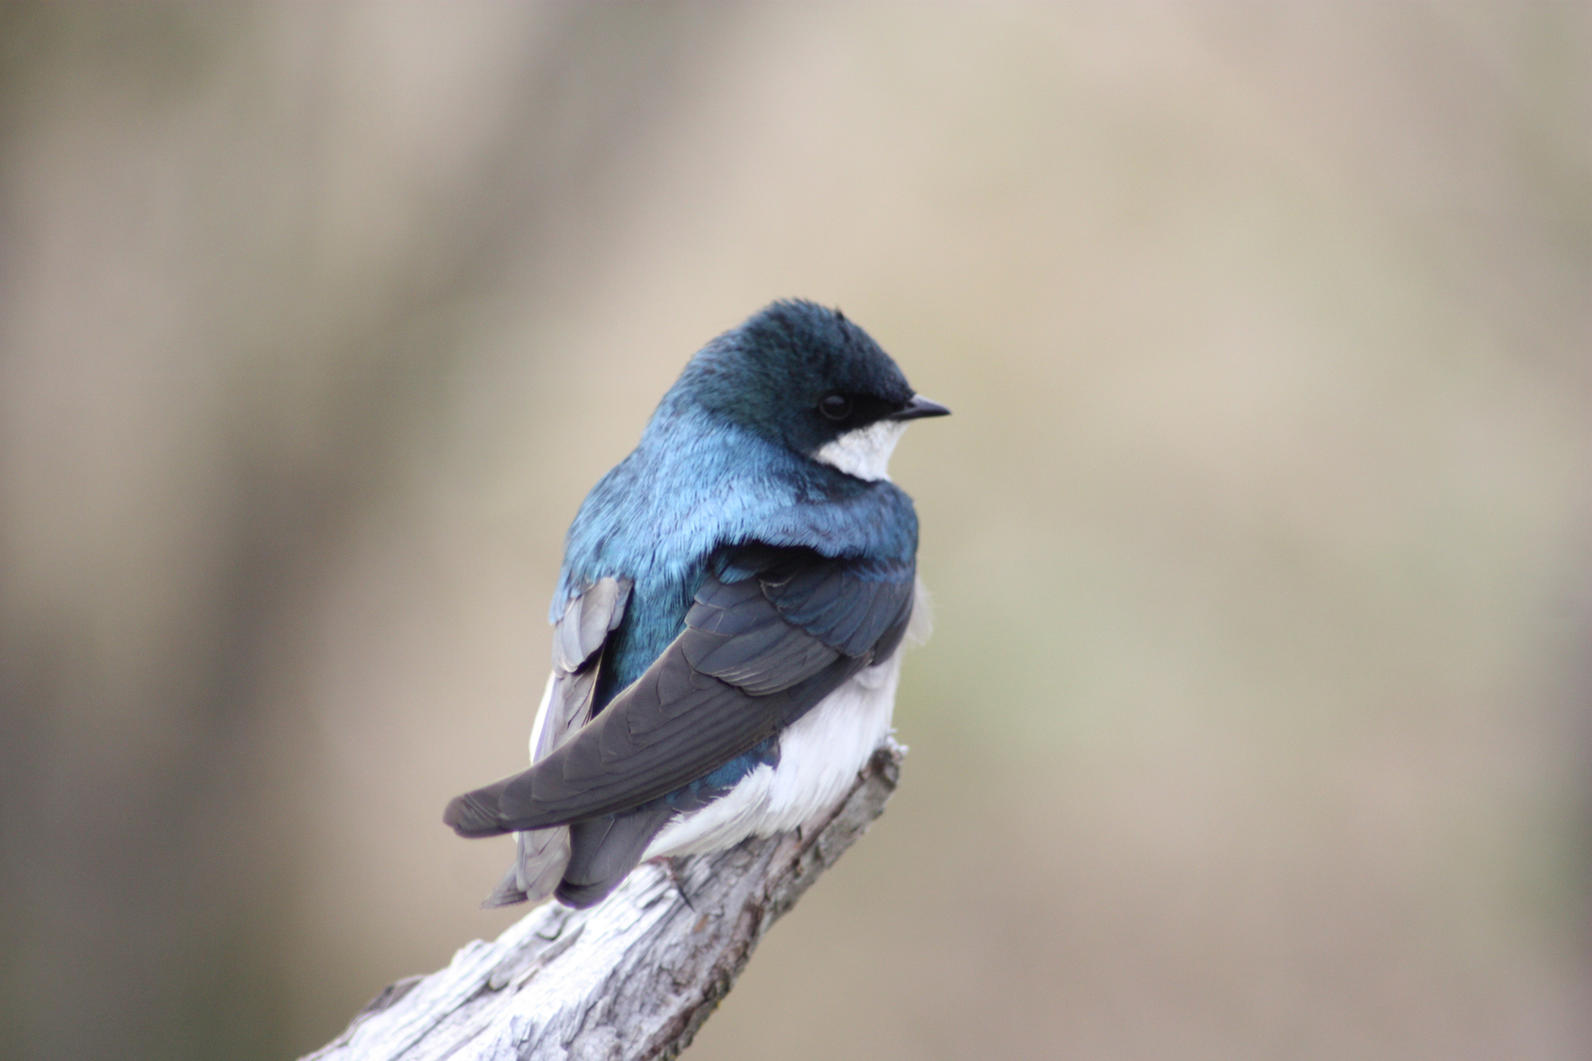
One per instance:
[(804, 376)]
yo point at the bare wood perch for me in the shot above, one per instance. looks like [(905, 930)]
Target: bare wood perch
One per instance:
[(633, 977)]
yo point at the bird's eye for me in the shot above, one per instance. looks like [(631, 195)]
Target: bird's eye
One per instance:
[(835, 406)]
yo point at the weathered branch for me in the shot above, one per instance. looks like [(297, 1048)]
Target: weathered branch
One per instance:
[(633, 977)]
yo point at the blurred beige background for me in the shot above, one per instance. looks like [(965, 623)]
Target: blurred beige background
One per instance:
[(1256, 720)]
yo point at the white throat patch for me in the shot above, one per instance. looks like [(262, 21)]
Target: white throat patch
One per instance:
[(864, 452)]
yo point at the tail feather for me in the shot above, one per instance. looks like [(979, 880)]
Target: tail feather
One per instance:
[(539, 861), (580, 862), (603, 851)]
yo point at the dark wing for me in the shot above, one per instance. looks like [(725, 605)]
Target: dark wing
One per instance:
[(578, 642), (771, 633)]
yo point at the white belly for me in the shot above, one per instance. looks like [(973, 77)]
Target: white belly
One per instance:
[(819, 759)]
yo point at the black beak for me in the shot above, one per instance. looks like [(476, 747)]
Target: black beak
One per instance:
[(918, 408)]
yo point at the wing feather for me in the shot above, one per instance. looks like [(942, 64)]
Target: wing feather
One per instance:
[(769, 634)]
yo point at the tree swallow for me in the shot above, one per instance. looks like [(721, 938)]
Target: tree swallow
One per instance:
[(728, 619)]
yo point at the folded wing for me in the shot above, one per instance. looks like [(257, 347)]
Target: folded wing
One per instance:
[(769, 634)]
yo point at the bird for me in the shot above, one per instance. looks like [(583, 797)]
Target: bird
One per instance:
[(729, 617)]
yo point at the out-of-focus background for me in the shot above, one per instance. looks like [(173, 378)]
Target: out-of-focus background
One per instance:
[(1256, 720)]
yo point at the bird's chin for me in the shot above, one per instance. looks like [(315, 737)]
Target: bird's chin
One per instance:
[(865, 452)]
